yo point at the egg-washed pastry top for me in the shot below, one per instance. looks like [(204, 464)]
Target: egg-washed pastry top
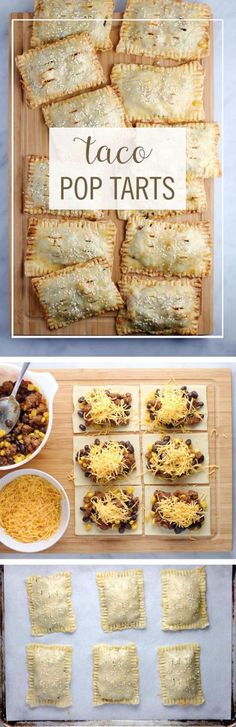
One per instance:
[(80, 14), (184, 603), (49, 671), (159, 307), (180, 674), (152, 93), (96, 108), (185, 37), (50, 603), (179, 510), (36, 194), (59, 69), (156, 247), (115, 674), (195, 202), (77, 292), (202, 141), (121, 595), (55, 243)]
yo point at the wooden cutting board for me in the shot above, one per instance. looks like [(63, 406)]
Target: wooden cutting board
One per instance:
[(30, 136), (56, 459)]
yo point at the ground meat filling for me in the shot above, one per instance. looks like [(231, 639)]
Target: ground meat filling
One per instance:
[(103, 410), (103, 462), (173, 458), (187, 505), (173, 406), (31, 427), (111, 510)]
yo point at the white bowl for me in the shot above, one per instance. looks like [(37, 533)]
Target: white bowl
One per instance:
[(48, 386), (38, 545)]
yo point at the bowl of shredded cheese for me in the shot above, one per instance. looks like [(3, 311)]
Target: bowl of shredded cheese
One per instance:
[(17, 448), (34, 511)]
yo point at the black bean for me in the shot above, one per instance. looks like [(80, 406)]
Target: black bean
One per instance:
[(82, 427), (184, 388), (86, 518), (81, 413), (9, 423), (193, 395), (200, 459), (200, 403), (157, 392), (178, 529), (166, 439), (188, 442), (97, 441), (81, 399)]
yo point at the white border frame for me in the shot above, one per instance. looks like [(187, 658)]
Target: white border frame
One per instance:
[(65, 337)]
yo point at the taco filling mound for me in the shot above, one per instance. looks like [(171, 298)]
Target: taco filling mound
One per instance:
[(173, 458)]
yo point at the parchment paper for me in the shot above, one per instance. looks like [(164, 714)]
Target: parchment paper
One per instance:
[(215, 644)]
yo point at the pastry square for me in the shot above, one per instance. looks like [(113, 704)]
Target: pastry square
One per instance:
[(165, 249), (53, 244), (184, 603), (152, 527), (121, 596), (195, 202), (133, 477), (96, 108), (50, 604), (76, 293), (199, 442), (115, 674), (36, 196), (101, 411), (153, 93), (202, 141), (180, 674), (49, 673), (59, 69), (159, 307), (181, 39), (131, 499), (148, 393), (76, 12)]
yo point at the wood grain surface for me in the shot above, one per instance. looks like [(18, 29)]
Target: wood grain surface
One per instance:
[(30, 136), (56, 459)]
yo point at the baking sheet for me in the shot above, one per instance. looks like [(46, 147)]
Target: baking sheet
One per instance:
[(215, 644)]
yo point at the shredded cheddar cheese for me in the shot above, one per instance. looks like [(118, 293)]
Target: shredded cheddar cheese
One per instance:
[(106, 463), (179, 512), (104, 410), (175, 406), (175, 459), (111, 509), (30, 508)]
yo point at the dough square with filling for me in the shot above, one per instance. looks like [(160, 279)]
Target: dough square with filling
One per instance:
[(122, 600), (59, 69), (165, 249), (81, 17), (133, 478), (53, 244), (96, 108), (147, 390), (175, 38), (77, 292), (120, 388), (49, 675), (157, 93), (180, 674), (157, 307), (81, 528), (36, 194), (195, 202), (184, 604), (50, 603), (199, 441), (115, 674), (157, 530)]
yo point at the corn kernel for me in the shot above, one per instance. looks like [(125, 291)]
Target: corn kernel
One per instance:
[(129, 490), (147, 518), (88, 526), (153, 521), (134, 526)]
